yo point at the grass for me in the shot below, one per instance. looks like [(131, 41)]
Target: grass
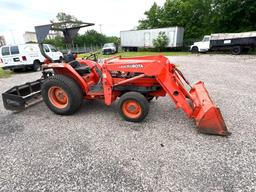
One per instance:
[(5, 73), (136, 54)]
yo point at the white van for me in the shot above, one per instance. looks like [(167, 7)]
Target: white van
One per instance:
[(25, 56)]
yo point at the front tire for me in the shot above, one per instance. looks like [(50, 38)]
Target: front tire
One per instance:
[(62, 94), (133, 106), (150, 98), (194, 49)]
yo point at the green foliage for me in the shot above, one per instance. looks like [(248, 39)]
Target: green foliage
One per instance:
[(161, 41), (64, 17), (5, 73), (89, 38), (153, 18), (202, 17), (57, 42), (235, 16), (114, 39)]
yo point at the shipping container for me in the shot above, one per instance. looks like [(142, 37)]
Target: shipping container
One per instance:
[(134, 39)]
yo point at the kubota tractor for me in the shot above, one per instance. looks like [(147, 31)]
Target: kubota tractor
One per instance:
[(133, 82)]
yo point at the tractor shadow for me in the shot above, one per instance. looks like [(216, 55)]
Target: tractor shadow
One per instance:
[(98, 110), (96, 106)]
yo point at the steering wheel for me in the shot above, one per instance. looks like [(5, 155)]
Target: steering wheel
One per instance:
[(93, 56)]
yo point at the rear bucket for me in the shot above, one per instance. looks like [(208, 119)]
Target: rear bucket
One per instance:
[(208, 117), (20, 97)]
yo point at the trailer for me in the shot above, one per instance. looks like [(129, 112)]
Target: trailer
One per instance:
[(236, 43), (134, 39)]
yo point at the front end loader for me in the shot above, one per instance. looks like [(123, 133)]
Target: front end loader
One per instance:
[(133, 82)]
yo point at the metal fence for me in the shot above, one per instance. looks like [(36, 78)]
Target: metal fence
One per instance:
[(84, 49)]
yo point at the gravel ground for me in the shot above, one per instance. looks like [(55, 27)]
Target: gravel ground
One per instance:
[(95, 150)]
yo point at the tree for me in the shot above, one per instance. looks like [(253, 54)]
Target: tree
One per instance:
[(161, 41), (64, 17), (89, 38), (202, 17), (152, 18), (58, 41), (235, 15), (114, 39)]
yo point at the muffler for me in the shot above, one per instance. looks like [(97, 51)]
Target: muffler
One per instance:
[(20, 97)]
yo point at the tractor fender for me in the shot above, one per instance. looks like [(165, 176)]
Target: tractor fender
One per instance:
[(68, 70)]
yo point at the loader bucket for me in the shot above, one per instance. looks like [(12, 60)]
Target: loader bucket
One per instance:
[(22, 96), (208, 117)]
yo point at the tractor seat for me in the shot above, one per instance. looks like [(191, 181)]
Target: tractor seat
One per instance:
[(82, 69)]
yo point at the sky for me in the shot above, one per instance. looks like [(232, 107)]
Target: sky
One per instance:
[(18, 16)]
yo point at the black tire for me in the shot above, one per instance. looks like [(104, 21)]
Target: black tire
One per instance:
[(194, 49), (237, 50), (61, 59), (140, 100), (36, 65), (150, 98), (71, 89)]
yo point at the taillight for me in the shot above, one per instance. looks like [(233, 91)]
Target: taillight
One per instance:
[(24, 58)]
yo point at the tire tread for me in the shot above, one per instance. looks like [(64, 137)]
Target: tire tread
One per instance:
[(70, 87)]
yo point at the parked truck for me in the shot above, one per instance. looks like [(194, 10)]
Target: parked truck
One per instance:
[(236, 43), (134, 39)]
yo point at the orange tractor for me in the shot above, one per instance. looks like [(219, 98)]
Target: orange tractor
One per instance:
[(133, 81)]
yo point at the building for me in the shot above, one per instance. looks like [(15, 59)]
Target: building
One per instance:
[(2, 41), (30, 37)]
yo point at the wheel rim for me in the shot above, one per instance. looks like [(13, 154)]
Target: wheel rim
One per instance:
[(58, 97), (132, 109)]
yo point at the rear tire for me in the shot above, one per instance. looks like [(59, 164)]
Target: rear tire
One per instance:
[(36, 65), (133, 106), (62, 94), (237, 50)]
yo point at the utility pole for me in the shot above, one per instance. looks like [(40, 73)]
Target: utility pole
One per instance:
[(13, 37), (100, 28)]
